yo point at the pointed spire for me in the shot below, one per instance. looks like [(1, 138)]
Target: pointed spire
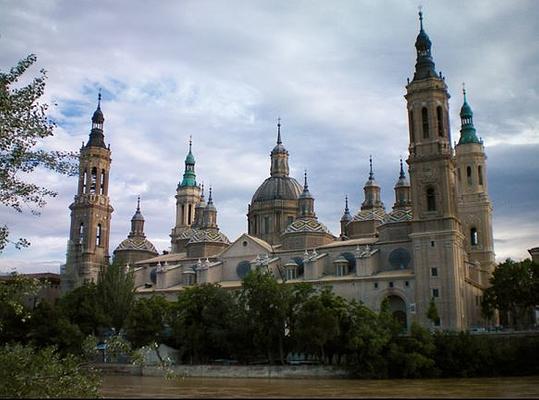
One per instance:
[(346, 216), (305, 186), (467, 130), (424, 67), (210, 200), (402, 175), (138, 203), (99, 99), (137, 222), (305, 193), (97, 139), (189, 176), (279, 131), (371, 174), (202, 192)]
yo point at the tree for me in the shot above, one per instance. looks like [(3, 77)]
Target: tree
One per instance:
[(265, 303), (514, 291), (432, 313), (148, 321), (29, 372), (203, 322), (115, 292), (23, 123), (83, 308)]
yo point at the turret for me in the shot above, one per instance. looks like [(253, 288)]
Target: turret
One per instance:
[(402, 191)]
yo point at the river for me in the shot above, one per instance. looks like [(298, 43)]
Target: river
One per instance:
[(118, 386)]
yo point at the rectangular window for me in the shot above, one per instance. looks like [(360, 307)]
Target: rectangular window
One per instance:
[(434, 271), (266, 225), (376, 285), (436, 293), (425, 120), (391, 284), (407, 284), (480, 175)]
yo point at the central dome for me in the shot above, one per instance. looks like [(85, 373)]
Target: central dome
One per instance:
[(278, 188)]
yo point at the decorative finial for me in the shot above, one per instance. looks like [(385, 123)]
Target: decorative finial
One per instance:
[(190, 142), (401, 176), (138, 203), (346, 210), (305, 186), (210, 198), (464, 90), (279, 130), (99, 99), (371, 174), (202, 194), (420, 8)]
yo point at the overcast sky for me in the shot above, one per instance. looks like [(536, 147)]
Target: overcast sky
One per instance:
[(224, 71)]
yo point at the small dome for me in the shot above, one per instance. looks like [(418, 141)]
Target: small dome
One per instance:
[(98, 116), (208, 235), (278, 187), (423, 41), (279, 148), (190, 159), (138, 244), (466, 110), (306, 225)]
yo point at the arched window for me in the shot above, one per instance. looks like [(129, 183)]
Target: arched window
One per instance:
[(81, 232), (480, 175), (469, 175), (102, 183), (411, 124), (84, 181), (93, 183), (474, 238), (425, 119), (439, 118), (98, 235), (431, 200)]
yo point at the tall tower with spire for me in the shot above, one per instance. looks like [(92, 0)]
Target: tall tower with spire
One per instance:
[(436, 231), (187, 198), (274, 205), (88, 245), (475, 208)]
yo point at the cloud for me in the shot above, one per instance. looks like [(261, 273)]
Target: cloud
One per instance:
[(223, 72)]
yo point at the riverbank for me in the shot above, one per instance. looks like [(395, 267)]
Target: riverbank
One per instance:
[(230, 371)]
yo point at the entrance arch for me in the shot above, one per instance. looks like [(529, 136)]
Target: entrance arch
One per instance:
[(397, 307)]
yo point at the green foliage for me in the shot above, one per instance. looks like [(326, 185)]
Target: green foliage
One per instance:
[(49, 327), (39, 373), (514, 292), (15, 315), (266, 304), (115, 292), (82, 307), (203, 320), (23, 123), (148, 320), (432, 312)]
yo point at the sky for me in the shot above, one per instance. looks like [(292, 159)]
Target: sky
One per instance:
[(223, 71)]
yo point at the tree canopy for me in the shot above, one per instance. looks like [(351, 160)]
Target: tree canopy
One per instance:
[(23, 125)]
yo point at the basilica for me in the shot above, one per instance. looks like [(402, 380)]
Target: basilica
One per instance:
[(434, 244)]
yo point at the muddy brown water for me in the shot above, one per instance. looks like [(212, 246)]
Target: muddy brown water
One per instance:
[(120, 386)]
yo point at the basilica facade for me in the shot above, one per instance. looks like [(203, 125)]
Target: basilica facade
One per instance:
[(435, 244)]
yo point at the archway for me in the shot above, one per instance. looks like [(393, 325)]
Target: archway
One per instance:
[(397, 307)]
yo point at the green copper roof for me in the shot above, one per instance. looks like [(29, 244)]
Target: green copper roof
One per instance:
[(189, 176), (467, 130)]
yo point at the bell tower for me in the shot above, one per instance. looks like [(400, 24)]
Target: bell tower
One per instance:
[(475, 208), (88, 245), (436, 232)]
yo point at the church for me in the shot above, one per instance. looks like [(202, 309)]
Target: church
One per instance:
[(434, 244)]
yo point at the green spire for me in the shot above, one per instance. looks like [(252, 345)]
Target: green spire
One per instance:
[(189, 176), (467, 130)]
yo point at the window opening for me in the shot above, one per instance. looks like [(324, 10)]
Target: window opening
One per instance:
[(425, 118)]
